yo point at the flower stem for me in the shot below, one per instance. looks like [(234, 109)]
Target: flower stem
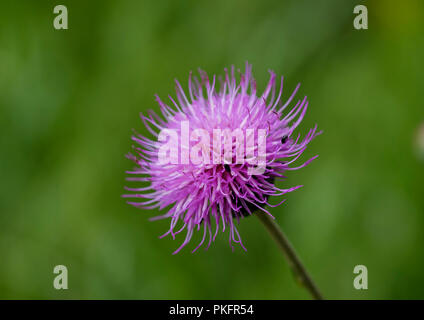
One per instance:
[(288, 251)]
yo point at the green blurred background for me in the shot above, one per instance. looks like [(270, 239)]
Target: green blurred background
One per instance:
[(70, 98)]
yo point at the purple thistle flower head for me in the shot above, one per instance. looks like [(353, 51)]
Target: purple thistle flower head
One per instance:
[(216, 154)]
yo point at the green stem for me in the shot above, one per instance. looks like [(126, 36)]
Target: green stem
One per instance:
[(288, 251)]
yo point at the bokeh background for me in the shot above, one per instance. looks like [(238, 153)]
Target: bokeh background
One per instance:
[(70, 98)]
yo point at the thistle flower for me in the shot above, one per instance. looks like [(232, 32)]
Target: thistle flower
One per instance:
[(213, 193)]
